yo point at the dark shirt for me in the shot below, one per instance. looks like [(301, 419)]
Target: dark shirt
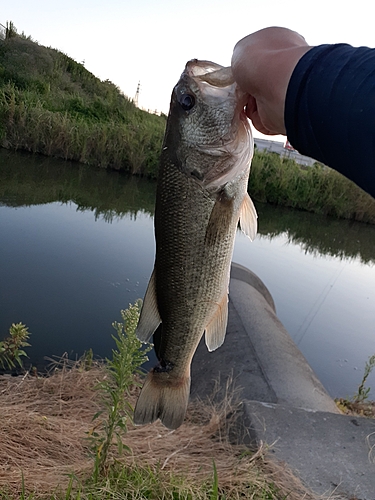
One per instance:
[(330, 110)]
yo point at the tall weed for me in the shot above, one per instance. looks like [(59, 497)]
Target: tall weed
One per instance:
[(111, 422)]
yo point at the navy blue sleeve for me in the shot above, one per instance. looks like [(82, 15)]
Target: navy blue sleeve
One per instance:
[(330, 110)]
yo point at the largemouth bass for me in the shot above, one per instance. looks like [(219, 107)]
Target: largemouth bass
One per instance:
[(201, 196)]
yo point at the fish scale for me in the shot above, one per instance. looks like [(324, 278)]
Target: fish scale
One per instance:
[(181, 286)]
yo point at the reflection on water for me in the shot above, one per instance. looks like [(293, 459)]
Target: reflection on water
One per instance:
[(317, 234), (35, 180), (77, 245)]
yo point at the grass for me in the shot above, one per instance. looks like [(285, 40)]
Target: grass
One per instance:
[(360, 404), (317, 189), (112, 422)]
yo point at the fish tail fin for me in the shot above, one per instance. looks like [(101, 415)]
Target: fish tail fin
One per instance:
[(164, 398)]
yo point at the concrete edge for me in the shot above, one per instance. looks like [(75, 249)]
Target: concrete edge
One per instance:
[(283, 365), (244, 274)]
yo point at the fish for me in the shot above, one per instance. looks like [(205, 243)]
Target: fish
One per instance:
[(201, 196)]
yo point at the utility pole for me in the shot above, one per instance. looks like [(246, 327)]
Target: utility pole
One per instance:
[(137, 94)]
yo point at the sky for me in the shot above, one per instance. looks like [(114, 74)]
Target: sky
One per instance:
[(149, 41)]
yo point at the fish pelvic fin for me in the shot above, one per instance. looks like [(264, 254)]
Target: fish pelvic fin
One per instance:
[(149, 318), (217, 327), (248, 218), (163, 397)]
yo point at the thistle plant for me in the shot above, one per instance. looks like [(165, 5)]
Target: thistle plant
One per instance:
[(115, 389), (11, 348)]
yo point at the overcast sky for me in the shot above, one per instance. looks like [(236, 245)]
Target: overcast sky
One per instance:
[(150, 41)]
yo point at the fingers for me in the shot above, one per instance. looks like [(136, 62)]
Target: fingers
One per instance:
[(260, 124), (253, 114), (262, 65)]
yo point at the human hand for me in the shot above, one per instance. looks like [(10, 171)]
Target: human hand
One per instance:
[(262, 64)]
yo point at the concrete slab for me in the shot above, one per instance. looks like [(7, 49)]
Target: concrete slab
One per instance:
[(284, 403), (330, 453)]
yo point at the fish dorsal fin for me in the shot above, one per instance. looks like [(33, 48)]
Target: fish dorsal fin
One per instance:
[(217, 327), (248, 218), (150, 318)]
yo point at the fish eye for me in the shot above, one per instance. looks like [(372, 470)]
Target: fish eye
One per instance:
[(186, 101)]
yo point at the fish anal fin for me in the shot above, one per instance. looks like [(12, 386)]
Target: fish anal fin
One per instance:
[(149, 318), (248, 218), (164, 397), (217, 327)]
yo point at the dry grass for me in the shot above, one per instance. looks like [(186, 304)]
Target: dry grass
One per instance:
[(44, 422), (42, 427), (363, 409)]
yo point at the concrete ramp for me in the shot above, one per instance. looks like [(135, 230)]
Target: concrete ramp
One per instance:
[(284, 403)]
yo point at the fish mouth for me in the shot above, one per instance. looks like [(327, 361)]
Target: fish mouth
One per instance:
[(214, 82), (217, 80), (196, 68)]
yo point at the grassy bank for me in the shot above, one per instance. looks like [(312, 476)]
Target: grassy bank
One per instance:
[(50, 104), (318, 189)]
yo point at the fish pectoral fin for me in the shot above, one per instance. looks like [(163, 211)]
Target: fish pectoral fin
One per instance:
[(149, 318), (217, 327), (220, 220), (248, 218)]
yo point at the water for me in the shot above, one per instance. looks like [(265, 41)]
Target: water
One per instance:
[(77, 246)]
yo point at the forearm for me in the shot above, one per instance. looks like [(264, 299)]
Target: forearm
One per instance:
[(330, 110)]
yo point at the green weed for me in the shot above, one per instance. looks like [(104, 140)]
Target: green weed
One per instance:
[(11, 348), (359, 404), (363, 392), (115, 388), (215, 484)]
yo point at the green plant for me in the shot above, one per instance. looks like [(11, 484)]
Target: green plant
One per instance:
[(11, 348), (363, 392), (215, 484), (115, 387)]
